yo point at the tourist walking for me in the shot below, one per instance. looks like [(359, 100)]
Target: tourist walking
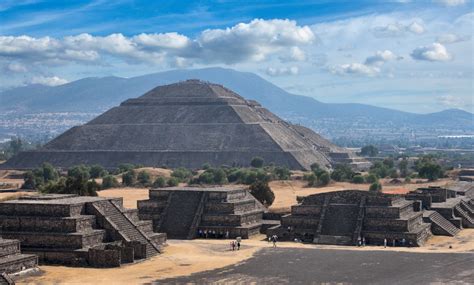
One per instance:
[(274, 240), (232, 245), (238, 240), (384, 242)]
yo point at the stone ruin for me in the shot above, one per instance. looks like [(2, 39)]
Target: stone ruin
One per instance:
[(187, 124), (448, 210), (181, 212), (344, 217), (79, 231), (12, 260)]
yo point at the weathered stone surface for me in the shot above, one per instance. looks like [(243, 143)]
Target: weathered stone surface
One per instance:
[(187, 124)]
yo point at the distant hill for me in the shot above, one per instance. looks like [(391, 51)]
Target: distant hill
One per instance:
[(94, 95)]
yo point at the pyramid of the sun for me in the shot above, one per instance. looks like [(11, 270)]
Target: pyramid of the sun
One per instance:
[(185, 124)]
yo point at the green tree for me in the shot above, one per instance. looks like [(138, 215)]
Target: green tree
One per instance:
[(430, 170), (324, 178), (159, 182), (49, 172), (257, 162), (144, 178), (314, 167), (182, 174), (129, 178), (29, 180), (109, 181), (369, 150), (282, 173), (375, 187), (342, 172), (403, 167), (173, 181), (262, 192), (97, 171), (358, 179), (370, 178)]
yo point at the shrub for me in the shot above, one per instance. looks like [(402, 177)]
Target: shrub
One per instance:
[(172, 182), (369, 150), (314, 167), (324, 178), (109, 181), (124, 167), (129, 178), (206, 166), (257, 162), (262, 192), (182, 174), (97, 171), (342, 173), (143, 178), (375, 187), (358, 179), (370, 178), (282, 173), (159, 182)]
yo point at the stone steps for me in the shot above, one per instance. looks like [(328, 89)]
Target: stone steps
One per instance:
[(446, 227), (17, 262), (468, 221)]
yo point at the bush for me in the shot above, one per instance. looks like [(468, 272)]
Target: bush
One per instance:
[(370, 178), (358, 179), (109, 181), (262, 192), (314, 167), (342, 173), (129, 178), (257, 162), (97, 171), (324, 178), (369, 150), (159, 182), (206, 166), (172, 182), (125, 167), (430, 170), (143, 178), (393, 173), (182, 174), (407, 180), (375, 187), (282, 173)]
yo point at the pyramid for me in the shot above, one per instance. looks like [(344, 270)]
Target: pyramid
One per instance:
[(185, 124)]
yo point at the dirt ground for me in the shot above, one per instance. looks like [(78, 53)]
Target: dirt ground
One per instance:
[(130, 195), (182, 258)]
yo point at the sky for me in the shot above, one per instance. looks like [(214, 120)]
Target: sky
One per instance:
[(414, 56)]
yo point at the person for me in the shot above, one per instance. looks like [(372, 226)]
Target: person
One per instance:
[(200, 233), (363, 241), (274, 240), (205, 233), (238, 245), (359, 241), (384, 242), (403, 242), (232, 244), (227, 234)]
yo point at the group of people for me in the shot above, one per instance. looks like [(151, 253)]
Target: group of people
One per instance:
[(213, 234), (395, 242), (235, 244)]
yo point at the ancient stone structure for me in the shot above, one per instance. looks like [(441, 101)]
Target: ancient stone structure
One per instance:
[(187, 124), (343, 217), (181, 212), (447, 209), (84, 231), (12, 260)]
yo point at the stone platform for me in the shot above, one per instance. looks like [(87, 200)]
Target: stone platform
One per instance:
[(11, 258), (343, 217), (182, 212), (80, 231)]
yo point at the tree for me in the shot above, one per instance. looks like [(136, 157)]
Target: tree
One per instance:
[(311, 178), (220, 177), (370, 178), (358, 179), (257, 162), (342, 172), (129, 178), (124, 167), (182, 174), (49, 172), (282, 173), (314, 167), (375, 187), (29, 180), (403, 166), (431, 171), (172, 182), (143, 178), (324, 178), (160, 182), (206, 166), (388, 162), (262, 192), (109, 181), (369, 150), (97, 171)]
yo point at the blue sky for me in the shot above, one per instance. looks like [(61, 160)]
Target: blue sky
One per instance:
[(410, 55)]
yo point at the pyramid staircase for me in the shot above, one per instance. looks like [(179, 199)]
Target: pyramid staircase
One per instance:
[(439, 225), (12, 260), (467, 219)]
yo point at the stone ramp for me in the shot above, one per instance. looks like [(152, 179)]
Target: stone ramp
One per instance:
[(439, 225), (124, 226), (181, 210)]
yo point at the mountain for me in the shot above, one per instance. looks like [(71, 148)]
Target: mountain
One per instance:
[(351, 121)]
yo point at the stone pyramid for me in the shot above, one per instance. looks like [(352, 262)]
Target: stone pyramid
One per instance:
[(185, 124)]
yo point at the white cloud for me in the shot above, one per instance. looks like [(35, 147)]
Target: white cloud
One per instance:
[(380, 58), (48, 81), (397, 29), (451, 3), (245, 42), (17, 67), (451, 38), (355, 68), (433, 52), (450, 101), (293, 70)]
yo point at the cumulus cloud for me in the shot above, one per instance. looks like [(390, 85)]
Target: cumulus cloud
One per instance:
[(253, 41), (380, 58), (398, 29), (450, 101), (451, 3), (451, 38), (433, 52), (355, 68), (272, 71), (16, 67), (48, 81)]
